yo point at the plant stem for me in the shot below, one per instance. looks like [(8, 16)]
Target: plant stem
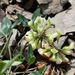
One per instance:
[(4, 47), (26, 69), (10, 57)]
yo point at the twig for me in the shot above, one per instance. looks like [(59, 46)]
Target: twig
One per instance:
[(28, 71), (24, 47), (10, 57), (9, 51), (5, 46)]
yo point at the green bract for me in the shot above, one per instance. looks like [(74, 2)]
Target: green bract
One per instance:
[(43, 41)]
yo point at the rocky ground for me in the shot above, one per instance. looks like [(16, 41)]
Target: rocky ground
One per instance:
[(61, 13)]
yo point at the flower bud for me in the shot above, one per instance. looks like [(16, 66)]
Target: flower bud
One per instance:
[(58, 59), (51, 37), (67, 49), (34, 34), (58, 36), (41, 51), (35, 44), (39, 44), (54, 35), (47, 54), (48, 35), (45, 44), (71, 46), (43, 21), (30, 23), (40, 29), (66, 52), (47, 47), (44, 53), (28, 33), (32, 41), (54, 51), (53, 58), (64, 58), (36, 22), (48, 24), (28, 36)]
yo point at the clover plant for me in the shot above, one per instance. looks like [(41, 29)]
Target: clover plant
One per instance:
[(42, 41)]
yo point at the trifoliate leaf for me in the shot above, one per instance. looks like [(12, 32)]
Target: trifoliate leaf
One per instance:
[(6, 26)]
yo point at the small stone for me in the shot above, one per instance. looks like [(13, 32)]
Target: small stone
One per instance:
[(12, 10), (2, 15), (18, 0), (51, 6), (65, 21), (44, 1)]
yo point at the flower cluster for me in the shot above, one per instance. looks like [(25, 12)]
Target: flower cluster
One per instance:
[(57, 56), (43, 41)]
